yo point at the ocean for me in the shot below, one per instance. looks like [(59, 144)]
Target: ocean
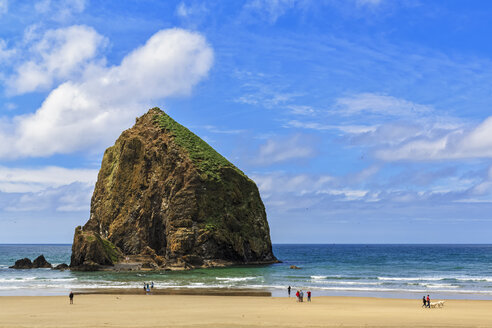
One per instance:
[(401, 271)]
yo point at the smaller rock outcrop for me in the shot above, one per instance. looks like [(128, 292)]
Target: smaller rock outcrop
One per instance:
[(295, 267), (24, 263), (40, 262), (94, 252), (62, 267)]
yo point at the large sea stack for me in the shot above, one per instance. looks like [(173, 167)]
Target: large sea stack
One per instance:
[(165, 199)]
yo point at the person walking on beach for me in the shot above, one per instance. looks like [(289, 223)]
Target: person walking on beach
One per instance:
[(70, 296), (298, 296), (288, 290), (301, 295), (428, 302), (309, 296), (424, 301), (152, 285)]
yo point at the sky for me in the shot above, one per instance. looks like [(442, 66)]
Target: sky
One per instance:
[(361, 121)]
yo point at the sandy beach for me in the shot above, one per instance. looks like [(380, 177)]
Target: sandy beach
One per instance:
[(236, 311)]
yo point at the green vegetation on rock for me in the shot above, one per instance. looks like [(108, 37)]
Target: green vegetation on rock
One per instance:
[(111, 251), (204, 157)]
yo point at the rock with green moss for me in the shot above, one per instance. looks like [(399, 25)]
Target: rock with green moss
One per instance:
[(165, 197), (92, 252)]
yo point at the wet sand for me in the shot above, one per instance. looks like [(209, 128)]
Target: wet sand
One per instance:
[(127, 310)]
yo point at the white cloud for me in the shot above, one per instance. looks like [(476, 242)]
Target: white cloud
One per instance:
[(290, 192), (5, 53), (371, 103), (182, 10), (214, 129), (4, 6), (66, 198), (265, 97), (401, 130), (16, 180), (281, 150), (301, 110), (60, 10), (58, 55), (456, 144), (193, 9), (271, 9), (350, 129), (92, 111)]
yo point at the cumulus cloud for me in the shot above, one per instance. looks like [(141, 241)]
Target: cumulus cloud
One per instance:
[(66, 198), (92, 111), (45, 188), (400, 130), (285, 192), (456, 144), (58, 55), (281, 150), (18, 180), (293, 192)]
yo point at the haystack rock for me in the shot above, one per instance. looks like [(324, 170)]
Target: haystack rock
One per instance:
[(165, 199)]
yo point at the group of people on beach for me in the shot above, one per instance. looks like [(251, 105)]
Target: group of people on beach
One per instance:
[(426, 301), (147, 287), (300, 294)]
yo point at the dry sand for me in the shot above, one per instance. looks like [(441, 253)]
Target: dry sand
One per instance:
[(236, 311)]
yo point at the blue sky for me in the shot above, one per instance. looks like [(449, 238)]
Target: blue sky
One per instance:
[(361, 121)]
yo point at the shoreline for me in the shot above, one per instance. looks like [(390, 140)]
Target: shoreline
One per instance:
[(249, 292), (124, 310)]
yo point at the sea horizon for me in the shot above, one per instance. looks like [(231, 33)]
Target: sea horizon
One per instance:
[(423, 244)]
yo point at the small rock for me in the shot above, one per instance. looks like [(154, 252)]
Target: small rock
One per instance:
[(62, 267), (40, 262), (294, 267), (24, 263)]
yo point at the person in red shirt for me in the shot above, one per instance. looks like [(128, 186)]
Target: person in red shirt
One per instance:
[(309, 296), (428, 301), (298, 297)]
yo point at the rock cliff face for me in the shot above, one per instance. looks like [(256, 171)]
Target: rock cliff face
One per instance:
[(165, 199)]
